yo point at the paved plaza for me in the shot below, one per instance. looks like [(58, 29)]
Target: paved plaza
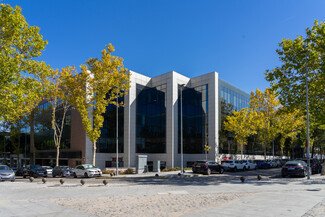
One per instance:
[(167, 195)]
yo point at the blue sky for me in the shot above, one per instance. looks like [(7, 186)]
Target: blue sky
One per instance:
[(237, 39)]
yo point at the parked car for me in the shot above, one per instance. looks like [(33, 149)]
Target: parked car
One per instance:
[(315, 165), (262, 164), (35, 171), (20, 171), (62, 171), (249, 164), (272, 163), (233, 165), (86, 170), (48, 170), (294, 168), (207, 167), (6, 173)]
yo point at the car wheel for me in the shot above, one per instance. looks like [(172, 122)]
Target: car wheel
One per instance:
[(86, 175), (74, 175), (62, 175), (283, 176), (222, 170), (304, 174), (12, 180), (24, 176), (208, 172), (244, 168), (53, 175), (235, 169)]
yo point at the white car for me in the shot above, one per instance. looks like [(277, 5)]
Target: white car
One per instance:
[(249, 164), (86, 170), (273, 163), (233, 165), (49, 170)]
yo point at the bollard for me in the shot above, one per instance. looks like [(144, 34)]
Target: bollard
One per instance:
[(259, 177), (44, 180), (105, 182), (61, 181), (82, 182), (31, 179)]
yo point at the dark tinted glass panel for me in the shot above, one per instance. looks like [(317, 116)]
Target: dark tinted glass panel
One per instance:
[(151, 119), (107, 141), (195, 119), (43, 127)]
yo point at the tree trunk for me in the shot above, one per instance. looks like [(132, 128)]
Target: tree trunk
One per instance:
[(264, 151), (94, 153), (32, 142), (242, 150), (321, 154), (57, 155)]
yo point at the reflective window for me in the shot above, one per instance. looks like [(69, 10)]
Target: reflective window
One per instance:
[(43, 127), (107, 141), (229, 100), (195, 119), (151, 119)]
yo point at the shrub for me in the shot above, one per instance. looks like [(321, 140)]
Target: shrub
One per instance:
[(127, 171), (121, 172), (171, 169)]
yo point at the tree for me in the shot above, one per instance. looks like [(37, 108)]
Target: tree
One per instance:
[(302, 60), (100, 82), (206, 149), (289, 126), (21, 76), (240, 124), (58, 95), (266, 106)]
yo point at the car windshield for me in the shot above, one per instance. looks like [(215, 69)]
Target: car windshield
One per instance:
[(89, 167), (4, 167), (65, 167), (201, 162), (292, 164), (47, 167), (229, 161), (35, 167)]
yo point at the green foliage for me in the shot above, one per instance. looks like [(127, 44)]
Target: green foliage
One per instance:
[(21, 76), (241, 125), (170, 169), (89, 89), (302, 58)]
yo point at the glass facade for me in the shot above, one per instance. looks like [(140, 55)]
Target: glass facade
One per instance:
[(229, 100), (107, 141), (43, 128), (151, 119), (237, 100), (195, 119)]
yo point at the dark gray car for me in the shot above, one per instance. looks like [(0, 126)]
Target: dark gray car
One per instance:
[(62, 171)]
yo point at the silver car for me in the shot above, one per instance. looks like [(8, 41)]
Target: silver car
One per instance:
[(6, 173), (48, 170)]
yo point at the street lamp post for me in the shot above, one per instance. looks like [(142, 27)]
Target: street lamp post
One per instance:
[(116, 136), (182, 169), (307, 108)]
